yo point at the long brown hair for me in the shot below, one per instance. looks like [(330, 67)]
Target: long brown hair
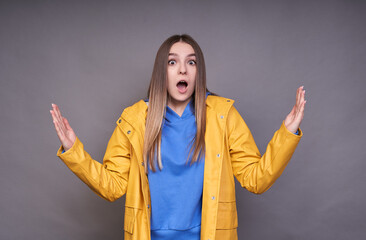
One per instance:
[(158, 96)]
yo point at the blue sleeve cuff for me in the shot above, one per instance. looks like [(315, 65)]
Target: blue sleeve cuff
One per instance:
[(297, 132), (63, 150)]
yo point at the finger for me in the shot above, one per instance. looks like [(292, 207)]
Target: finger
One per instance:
[(57, 112), (59, 117), (296, 101), (298, 109), (302, 91), (66, 122), (60, 126), (302, 99), (59, 132), (53, 116), (300, 114), (298, 96), (303, 107)]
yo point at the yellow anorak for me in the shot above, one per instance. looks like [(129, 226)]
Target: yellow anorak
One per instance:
[(230, 151)]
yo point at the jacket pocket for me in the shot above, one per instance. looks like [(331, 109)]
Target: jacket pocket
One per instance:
[(227, 217), (129, 220)]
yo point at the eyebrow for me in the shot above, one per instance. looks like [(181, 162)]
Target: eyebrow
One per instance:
[(189, 55)]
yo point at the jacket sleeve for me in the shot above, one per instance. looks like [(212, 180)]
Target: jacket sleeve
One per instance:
[(257, 173), (109, 180)]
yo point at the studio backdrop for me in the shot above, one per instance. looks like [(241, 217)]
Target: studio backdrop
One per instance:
[(94, 58)]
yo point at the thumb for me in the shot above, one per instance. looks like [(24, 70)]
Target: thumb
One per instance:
[(68, 127)]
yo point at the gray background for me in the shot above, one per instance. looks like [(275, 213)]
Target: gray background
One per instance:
[(95, 58)]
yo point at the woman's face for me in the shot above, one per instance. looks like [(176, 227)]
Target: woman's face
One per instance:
[(181, 74)]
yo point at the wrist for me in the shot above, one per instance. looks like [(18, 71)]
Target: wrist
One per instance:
[(292, 129)]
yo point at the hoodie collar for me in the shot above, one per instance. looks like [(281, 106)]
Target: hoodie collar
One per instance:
[(137, 112)]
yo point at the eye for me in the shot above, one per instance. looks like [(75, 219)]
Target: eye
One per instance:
[(171, 62), (192, 62)]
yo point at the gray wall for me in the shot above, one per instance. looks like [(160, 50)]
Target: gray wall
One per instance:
[(95, 58)]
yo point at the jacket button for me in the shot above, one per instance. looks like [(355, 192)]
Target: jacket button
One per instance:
[(213, 197), (228, 100), (218, 155), (119, 121), (128, 132), (142, 163), (148, 206), (221, 116)]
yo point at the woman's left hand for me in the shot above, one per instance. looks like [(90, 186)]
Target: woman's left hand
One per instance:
[(294, 118)]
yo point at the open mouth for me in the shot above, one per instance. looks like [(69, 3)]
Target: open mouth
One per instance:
[(182, 85)]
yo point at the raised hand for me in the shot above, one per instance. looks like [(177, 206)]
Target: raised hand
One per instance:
[(294, 118), (65, 133)]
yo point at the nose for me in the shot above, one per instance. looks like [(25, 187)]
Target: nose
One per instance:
[(182, 69)]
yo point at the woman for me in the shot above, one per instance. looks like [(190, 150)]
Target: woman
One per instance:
[(175, 154)]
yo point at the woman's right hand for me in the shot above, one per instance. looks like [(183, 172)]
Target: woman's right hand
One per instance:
[(65, 133)]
